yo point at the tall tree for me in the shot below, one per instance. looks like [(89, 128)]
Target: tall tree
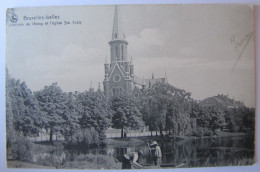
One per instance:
[(165, 105), (23, 114), (52, 101), (249, 120), (71, 124), (126, 114), (93, 112)]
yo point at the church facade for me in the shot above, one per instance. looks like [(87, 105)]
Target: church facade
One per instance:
[(119, 78)]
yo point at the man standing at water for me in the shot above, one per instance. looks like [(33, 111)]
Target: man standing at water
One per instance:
[(156, 153), (130, 160)]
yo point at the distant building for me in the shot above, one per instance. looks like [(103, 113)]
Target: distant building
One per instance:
[(119, 72)]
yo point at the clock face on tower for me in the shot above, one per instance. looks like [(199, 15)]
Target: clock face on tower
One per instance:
[(116, 78)]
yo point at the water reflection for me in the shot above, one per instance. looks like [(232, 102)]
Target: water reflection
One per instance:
[(192, 152)]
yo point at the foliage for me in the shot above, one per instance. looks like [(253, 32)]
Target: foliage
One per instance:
[(91, 161), (167, 107), (19, 147), (50, 157), (80, 116), (126, 114), (54, 110), (200, 131), (93, 112), (57, 115), (83, 138), (230, 114), (248, 119), (23, 114), (72, 120)]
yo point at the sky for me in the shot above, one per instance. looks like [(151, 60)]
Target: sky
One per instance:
[(204, 49)]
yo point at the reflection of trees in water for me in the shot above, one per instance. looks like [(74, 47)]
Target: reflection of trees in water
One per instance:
[(206, 152), (195, 152)]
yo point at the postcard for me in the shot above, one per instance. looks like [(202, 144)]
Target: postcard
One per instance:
[(130, 86)]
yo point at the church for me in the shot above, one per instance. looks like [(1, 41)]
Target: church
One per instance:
[(119, 78)]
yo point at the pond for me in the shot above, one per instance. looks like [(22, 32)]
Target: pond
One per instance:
[(218, 151)]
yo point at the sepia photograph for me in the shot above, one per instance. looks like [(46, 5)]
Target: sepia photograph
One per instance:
[(130, 86)]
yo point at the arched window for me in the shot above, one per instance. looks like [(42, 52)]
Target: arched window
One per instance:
[(122, 52), (117, 52), (114, 91), (120, 91), (117, 91)]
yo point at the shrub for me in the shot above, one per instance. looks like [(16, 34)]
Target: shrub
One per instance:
[(55, 158), (208, 132), (85, 137), (91, 161), (19, 148), (200, 131)]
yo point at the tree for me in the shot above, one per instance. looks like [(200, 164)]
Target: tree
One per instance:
[(156, 103), (93, 112), (165, 107), (72, 120), (10, 86), (126, 114), (249, 120), (23, 114), (216, 120), (221, 111), (52, 101)]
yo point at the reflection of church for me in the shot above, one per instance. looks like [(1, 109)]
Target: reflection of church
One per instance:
[(119, 73)]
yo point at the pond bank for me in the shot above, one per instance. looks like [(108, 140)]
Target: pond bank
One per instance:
[(23, 164), (88, 161), (117, 142), (50, 156)]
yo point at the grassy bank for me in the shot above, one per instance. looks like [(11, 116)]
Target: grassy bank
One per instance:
[(229, 134), (145, 139), (218, 134), (128, 141), (46, 155), (23, 164), (82, 162), (91, 161)]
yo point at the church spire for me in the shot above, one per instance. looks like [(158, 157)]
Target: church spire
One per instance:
[(106, 62), (91, 89), (166, 80), (131, 61), (118, 32), (118, 44)]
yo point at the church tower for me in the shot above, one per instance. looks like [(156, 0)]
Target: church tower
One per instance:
[(118, 44), (119, 73), (119, 79)]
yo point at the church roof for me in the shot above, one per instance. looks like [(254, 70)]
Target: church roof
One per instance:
[(138, 80), (153, 81), (115, 65), (118, 33), (136, 89), (100, 92), (148, 82)]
